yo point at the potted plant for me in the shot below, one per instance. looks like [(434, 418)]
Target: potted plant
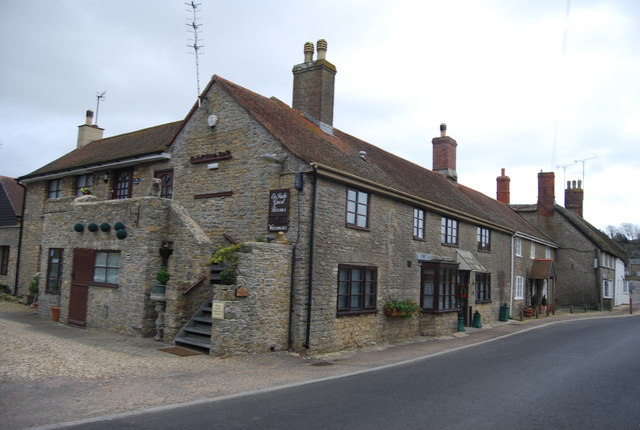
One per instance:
[(529, 311), (85, 190), (162, 277), (543, 305), (401, 308)]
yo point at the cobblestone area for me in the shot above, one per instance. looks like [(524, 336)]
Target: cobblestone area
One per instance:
[(51, 373)]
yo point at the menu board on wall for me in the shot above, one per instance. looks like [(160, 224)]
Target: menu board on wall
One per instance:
[(279, 209)]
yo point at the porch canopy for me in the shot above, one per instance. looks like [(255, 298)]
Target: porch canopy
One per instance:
[(468, 261), (542, 268)]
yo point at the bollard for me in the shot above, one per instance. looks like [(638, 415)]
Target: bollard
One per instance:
[(460, 322), (477, 320)]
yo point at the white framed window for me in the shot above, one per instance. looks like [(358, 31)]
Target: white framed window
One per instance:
[(484, 239), (518, 293), (532, 252), (357, 209), (449, 231), (418, 223), (547, 253), (625, 287), (607, 290), (518, 247)]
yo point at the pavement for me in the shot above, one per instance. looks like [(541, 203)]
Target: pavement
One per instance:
[(52, 374)]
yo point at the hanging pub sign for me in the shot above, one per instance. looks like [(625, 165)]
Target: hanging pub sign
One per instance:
[(279, 210)]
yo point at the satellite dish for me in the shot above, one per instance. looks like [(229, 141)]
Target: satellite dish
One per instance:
[(212, 120)]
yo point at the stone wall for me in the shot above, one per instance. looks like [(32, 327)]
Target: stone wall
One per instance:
[(150, 222), (389, 246), (259, 322)]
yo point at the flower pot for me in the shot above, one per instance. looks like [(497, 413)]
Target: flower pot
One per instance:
[(543, 309), (55, 313), (159, 288), (528, 312)]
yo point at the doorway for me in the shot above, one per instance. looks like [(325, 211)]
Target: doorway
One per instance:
[(79, 293)]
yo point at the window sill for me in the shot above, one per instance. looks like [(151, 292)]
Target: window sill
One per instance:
[(450, 245), (355, 227), (97, 284), (340, 314), (480, 302), (53, 293), (486, 251), (419, 239), (437, 311)]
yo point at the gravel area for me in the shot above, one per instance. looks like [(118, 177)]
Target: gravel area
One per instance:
[(52, 373)]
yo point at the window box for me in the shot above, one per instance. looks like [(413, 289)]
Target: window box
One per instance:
[(401, 308)]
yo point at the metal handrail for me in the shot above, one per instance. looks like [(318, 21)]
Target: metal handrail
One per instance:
[(195, 284)]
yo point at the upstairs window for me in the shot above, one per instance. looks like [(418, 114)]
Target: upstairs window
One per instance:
[(122, 184), (54, 189), (356, 289), (357, 209), (518, 247), (449, 231), (483, 287), (484, 239), (166, 183), (83, 181), (532, 251), (547, 253), (418, 223)]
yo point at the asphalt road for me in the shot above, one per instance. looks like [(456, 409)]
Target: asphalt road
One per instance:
[(580, 374)]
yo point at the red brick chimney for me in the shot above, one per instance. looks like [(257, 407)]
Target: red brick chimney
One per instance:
[(444, 154), (314, 84), (574, 196), (546, 193), (503, 194)]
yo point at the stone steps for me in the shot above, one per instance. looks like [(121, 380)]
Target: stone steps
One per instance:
[(197, 332)]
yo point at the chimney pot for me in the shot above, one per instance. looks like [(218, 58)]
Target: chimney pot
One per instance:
[(89, 117), (322, 49), (308, 52), (443, 129), (580, 183)]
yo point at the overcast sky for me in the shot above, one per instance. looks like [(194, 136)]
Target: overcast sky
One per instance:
[(494, 70)]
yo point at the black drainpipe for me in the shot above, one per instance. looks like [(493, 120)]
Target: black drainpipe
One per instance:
[(24, 201), (311, 243)]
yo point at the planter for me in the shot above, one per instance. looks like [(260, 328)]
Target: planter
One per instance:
[(542, 309), (397, 313), (528, 312), (55, 313), (159, 289)]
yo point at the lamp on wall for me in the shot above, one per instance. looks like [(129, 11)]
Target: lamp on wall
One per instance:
[(105, 177)]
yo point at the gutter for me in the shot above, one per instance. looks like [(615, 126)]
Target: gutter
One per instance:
[(99, 166), (352, 179), (24, 202), (307, 340)]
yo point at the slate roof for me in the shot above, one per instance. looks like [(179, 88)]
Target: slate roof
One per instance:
[(124, 146), (339, 150), (598, 238), (11, 197)]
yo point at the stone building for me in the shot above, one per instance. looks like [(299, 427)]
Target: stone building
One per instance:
[(11, 199), (589, 264), (356, 228)]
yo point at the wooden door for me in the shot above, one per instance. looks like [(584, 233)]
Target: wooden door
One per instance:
[(80, 279)]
